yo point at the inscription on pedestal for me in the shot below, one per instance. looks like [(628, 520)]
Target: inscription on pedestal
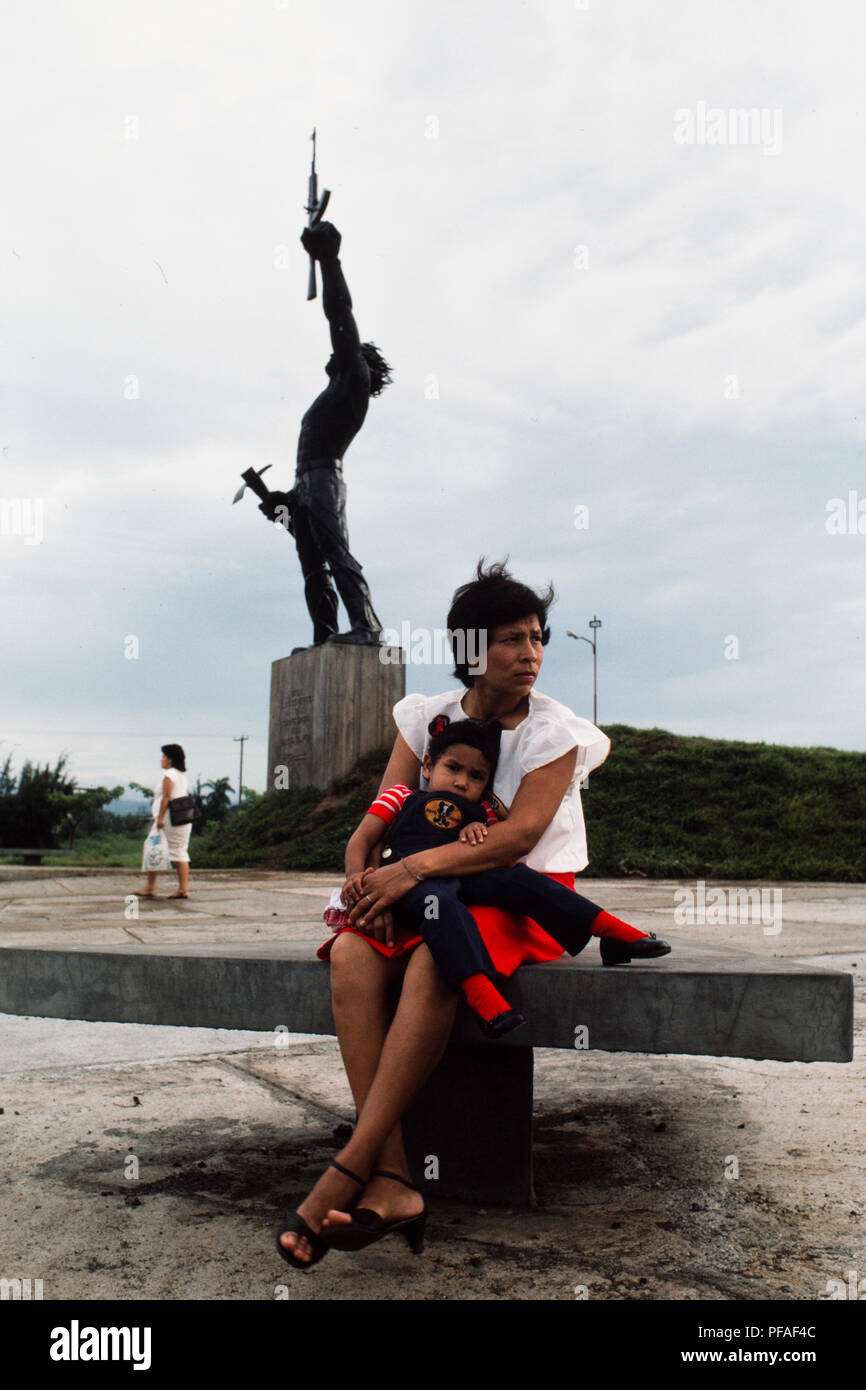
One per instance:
[(296, 719)]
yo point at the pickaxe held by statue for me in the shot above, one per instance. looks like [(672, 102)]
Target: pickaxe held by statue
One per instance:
[(280, 501), (253, 480)]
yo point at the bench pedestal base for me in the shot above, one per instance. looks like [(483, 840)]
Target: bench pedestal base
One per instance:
[(469, 1131)]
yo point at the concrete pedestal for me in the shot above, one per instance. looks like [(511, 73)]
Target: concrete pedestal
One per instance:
[(329, 706)]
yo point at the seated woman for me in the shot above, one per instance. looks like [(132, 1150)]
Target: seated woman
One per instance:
[(459, 766), (545, 752)]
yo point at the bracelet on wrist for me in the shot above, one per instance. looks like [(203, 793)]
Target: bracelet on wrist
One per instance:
[(411, 872)]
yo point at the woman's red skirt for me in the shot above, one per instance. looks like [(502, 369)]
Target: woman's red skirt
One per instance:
[(510, 940)]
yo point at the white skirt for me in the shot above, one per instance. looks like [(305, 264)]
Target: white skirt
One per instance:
[(178, 839)]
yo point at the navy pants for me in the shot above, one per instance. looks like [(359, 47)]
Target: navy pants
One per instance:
[(438, 910)]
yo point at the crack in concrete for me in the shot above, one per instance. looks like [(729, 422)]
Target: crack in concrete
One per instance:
[(281, 1092)]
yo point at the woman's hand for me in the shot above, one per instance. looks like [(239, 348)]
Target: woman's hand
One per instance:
[(473, 834), (381, 928), (380, 890)]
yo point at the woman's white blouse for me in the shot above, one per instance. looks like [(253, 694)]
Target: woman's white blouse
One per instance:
[(179, 786), (549, 730)]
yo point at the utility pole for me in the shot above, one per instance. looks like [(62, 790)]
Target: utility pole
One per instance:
[(242, 740)]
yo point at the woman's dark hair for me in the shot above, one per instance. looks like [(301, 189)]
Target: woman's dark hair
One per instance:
[(475, 734), (177, 755), (380, 370), (491, 600)]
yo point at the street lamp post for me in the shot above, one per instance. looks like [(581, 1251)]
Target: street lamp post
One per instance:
[(595, 624)]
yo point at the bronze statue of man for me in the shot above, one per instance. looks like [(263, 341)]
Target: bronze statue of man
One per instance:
[(316, 506)]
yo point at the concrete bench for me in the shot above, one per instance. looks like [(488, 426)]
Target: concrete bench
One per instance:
[(475, 1113), (33, 856)]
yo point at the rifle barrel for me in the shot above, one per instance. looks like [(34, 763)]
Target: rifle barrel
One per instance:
[(312, 201)]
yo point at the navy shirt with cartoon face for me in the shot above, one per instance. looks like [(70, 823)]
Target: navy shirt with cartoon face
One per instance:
[(429, 819)]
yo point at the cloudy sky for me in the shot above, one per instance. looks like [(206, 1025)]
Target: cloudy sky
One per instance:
[(599, 287)]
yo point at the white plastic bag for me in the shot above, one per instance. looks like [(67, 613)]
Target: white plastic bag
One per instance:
[(156, 856)]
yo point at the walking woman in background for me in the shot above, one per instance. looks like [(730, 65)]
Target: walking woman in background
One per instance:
[(174, 785)]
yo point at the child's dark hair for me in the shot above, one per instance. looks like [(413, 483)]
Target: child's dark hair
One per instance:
[(484, 737), (177, 755)]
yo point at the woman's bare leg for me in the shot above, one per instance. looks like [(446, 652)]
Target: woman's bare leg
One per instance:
[(412, 1046), (360, 977), (419, 1034), (150, 883), (182, 867)]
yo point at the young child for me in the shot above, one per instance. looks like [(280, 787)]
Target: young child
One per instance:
[(459, 767)]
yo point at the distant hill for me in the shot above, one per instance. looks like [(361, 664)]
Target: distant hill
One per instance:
[(663, 805), (128, 806)]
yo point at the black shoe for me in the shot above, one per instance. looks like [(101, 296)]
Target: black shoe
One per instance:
[(615, 952), (503, 1023)]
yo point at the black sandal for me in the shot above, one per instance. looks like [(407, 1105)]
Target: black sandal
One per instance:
[(293, 1222), (368, 1226)]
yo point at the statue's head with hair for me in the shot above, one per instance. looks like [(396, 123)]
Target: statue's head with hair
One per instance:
[(380, 370)]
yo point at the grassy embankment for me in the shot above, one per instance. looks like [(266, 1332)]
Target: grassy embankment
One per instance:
[(663, 805)]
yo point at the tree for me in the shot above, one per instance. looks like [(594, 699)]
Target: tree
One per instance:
[(7, 795), (145, 791), (79, 809), (29, 816), (217, 806)]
